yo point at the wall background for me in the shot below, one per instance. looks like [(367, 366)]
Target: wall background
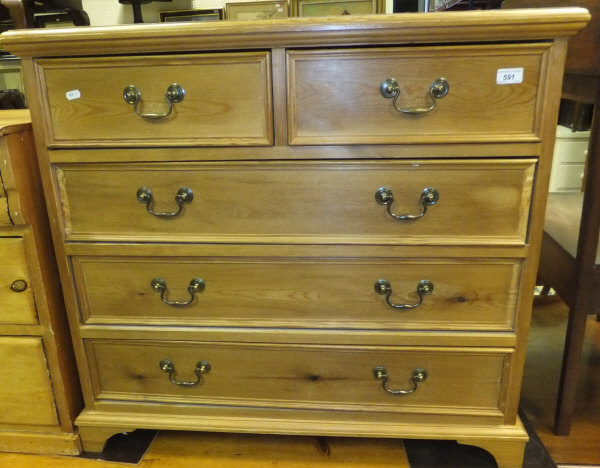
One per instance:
[(110, 12)]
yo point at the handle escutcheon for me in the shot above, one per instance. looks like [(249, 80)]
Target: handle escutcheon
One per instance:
[(429, 197), (418, 376), (202, 367), (390, 89), (383, 287), (159, 285), (174, 94), (184, 195)]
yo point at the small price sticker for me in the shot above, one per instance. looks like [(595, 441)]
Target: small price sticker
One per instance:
[(73, 94), (509, 76)]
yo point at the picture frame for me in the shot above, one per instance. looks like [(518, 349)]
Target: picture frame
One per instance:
[(172, 16), (256, 10), (312, 8)]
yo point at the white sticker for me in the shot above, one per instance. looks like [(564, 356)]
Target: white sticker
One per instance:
[(74, 94), (509, 76)]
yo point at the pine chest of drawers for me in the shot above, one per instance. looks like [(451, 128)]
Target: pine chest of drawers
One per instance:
[(303, 226)]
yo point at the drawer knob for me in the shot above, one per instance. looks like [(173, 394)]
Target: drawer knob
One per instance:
[(418, 375), (391, 90), (19, 285), (160, 285), (184, 195), (429, 197), (383, 287), (175, 93), (167, 366)]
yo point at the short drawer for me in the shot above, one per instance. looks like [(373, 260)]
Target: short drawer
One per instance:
[(27, 396), (17, 304), (300, 293), (226, 100), (335, 97), (458, 380), (482, 202)]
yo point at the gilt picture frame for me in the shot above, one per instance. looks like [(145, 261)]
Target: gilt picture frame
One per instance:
[(256, 10)]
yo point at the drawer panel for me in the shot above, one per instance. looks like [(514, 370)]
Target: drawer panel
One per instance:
[(211, 112), (299, 293), (334, 95), (482, 202), (17, 304), (26, 388), (459, 380)]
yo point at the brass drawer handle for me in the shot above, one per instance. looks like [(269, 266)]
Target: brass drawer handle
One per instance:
[(160, 285), (202, 367), (184, 195), (19, 285), (424, 288), (175, 93), (429, 197), (418, 375), (391, 90)]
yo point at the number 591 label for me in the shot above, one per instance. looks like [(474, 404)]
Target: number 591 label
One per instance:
[(509, 76)]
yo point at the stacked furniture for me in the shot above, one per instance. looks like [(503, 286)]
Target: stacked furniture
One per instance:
[(40, 394), (302, 226)]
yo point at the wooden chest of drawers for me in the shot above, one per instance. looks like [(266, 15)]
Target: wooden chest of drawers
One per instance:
[(303, 226), (40, 395)]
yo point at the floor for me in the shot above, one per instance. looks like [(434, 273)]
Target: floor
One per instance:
[(542, 368), (149, 449)]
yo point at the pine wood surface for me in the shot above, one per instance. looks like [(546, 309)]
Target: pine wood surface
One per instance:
[(481, 202), (209, 114), (294, 292), (204, 450), (473, 110)]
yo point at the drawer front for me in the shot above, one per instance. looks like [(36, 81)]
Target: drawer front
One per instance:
[(334, 96), (227, 100), (17, 304), (300, 293), (486, 202), (322, 377), (26, 388)]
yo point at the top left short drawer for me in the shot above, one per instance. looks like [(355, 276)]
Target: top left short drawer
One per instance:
[(224, 99)]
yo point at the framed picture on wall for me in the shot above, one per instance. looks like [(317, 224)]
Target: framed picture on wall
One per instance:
[(173, 16), (336, 7), (256, 10)]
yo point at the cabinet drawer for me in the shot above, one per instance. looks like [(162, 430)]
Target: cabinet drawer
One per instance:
[(459, 380), (26, 389), (334, 96), (17, 305), (482, 202), (300, 293), (227, 100)]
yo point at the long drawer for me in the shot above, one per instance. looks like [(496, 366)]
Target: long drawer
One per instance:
[(449, 380), (453, 202), (17, 304), (419, 94), (299, 293), (224, 99)]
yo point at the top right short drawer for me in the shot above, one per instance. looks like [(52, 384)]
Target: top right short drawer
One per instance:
[(445, 94)]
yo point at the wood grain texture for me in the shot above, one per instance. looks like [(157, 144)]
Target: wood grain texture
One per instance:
[(295, 376), (301, 202), (17, 307), (334, 96), (26, 390), (299, 293), (210, 113), (520, 25)]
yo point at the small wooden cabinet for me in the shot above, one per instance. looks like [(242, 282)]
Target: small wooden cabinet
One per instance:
[(39, 395), (302, 226)]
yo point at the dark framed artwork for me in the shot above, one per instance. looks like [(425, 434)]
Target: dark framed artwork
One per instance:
[(173, 16)]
